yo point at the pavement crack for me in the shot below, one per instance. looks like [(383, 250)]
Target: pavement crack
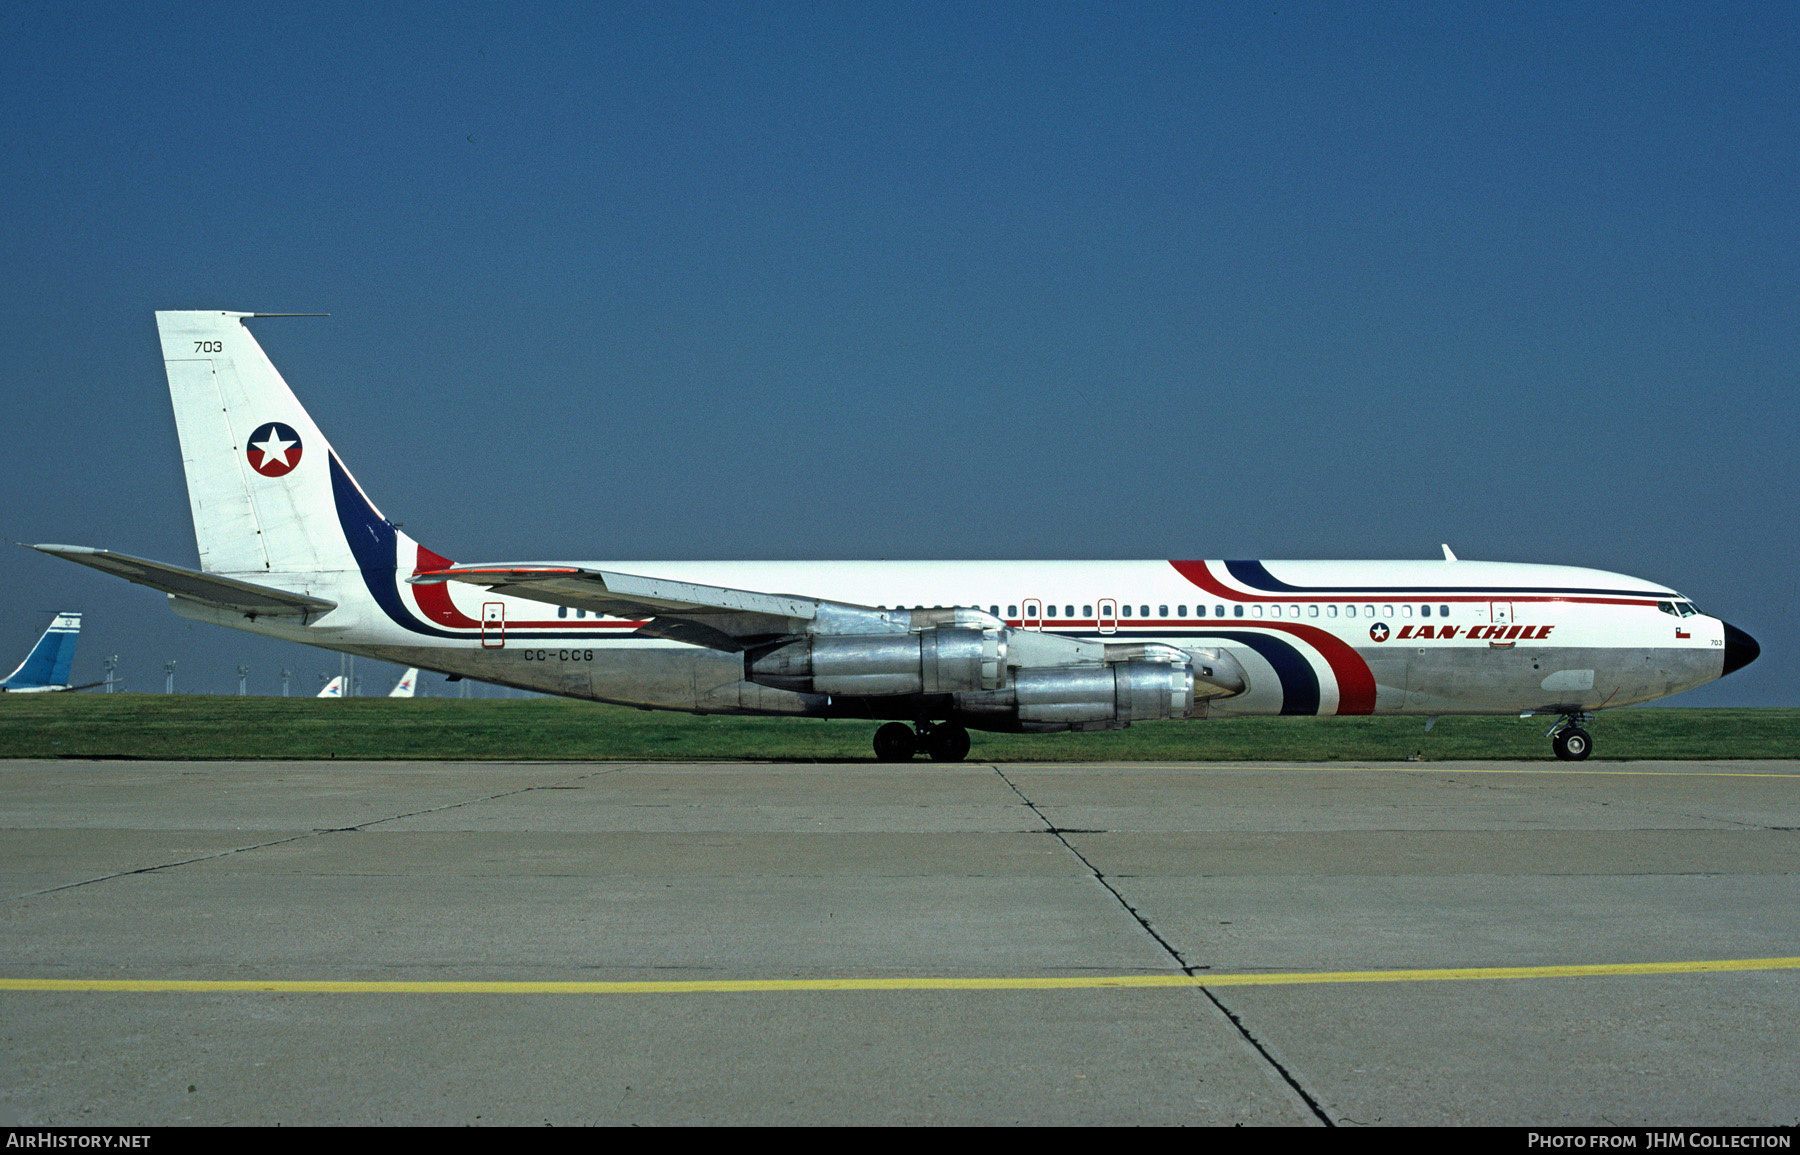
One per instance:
[(314, 833), (1187, 968)]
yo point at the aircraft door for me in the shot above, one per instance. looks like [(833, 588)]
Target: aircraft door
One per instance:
[(493, 625), (1033, 617), (1109, 616)]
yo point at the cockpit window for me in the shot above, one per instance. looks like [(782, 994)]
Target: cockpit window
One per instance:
[(1667, 608), (1688, 609)]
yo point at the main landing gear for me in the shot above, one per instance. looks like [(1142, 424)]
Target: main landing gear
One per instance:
[(1569, 741), (897, 742)]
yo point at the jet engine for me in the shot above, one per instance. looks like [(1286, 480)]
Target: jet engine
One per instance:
[(940, 660)]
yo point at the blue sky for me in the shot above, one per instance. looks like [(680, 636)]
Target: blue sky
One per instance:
[(911, 280)]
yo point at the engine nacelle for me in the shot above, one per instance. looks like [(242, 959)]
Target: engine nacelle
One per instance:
[(1089, 697), (941, 660)]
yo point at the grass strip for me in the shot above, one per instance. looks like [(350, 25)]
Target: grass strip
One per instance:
[(185, 726)]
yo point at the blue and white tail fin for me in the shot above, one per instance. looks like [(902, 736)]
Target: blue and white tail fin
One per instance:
[(404, 687), (333, 688), (47, 666), (264, 486)]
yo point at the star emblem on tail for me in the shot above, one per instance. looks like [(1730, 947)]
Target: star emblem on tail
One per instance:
[(274, 449)]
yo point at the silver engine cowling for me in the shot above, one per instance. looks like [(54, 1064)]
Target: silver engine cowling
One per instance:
[(941, 660), (1092, 697)]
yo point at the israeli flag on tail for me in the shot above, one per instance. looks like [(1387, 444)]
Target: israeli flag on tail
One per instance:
[(46, 667)]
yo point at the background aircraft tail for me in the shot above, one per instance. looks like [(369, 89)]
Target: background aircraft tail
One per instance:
[(404, 687), (333, 688), (47, 665), (266, 490)]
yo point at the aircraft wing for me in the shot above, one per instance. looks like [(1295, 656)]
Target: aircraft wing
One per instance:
[(717, 617), (242, 597)]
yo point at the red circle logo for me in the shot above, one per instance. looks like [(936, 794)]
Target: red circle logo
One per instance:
[(1378, 632), (274, 449)]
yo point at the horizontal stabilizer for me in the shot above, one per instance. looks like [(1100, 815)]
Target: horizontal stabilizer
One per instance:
[(210, 589)]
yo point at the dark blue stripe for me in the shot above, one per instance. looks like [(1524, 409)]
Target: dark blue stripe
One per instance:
[(1257, 576), (1299, 681), (375, 546)]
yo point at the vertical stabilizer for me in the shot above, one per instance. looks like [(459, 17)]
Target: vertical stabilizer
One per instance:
[(333, 688), (47, 666), (404, 687), (258, 469)]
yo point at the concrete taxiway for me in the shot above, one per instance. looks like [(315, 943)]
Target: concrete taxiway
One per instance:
[(652, 884)]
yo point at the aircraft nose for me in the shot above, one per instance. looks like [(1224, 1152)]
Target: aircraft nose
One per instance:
[(1740, 649)]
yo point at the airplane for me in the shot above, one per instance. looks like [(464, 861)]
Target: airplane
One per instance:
[(404, 687), (291, 547), (333, 688), (46, 668)]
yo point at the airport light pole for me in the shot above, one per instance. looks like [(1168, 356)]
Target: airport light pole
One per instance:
[(169, 678), (109, 665), (285, 675), (243, 678)]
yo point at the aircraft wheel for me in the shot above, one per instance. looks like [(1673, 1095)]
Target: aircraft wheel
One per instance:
[(947, 743), (1572, 744), (895, 742)]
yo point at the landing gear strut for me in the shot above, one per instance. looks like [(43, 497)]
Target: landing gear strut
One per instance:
[(1568, 740), (896, 742)]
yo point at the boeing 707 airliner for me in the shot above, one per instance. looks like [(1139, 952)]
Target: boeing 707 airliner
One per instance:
[(292, 547)]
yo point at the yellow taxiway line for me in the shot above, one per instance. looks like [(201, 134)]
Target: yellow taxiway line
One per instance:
[(736, 986)]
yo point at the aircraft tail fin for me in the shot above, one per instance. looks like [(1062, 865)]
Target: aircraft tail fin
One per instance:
[(268, 495), (404, 687), (47, 666), (333, 688)]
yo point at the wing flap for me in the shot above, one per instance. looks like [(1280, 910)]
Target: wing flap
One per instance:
[(210, 589), (717, 617)]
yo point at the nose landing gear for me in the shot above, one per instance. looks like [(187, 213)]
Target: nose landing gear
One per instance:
[(897, 742), (1568, 740)]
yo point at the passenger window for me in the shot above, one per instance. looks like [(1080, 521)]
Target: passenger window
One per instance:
[(1331, 611), (1312, 611), (1424, 611), (1369, 611), (1236, 611), (562, 611), (1256, 611), (1181, 611), (1012, 611), (1068, 611), (1143, 611), (1125, 610), (1406, 611), (1087, 611), (1049, 611), (1349, 611), (1162, 611), (1443, 611), (1387, 611)]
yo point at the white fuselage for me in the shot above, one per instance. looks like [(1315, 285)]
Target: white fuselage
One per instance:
[(1384, 637)]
